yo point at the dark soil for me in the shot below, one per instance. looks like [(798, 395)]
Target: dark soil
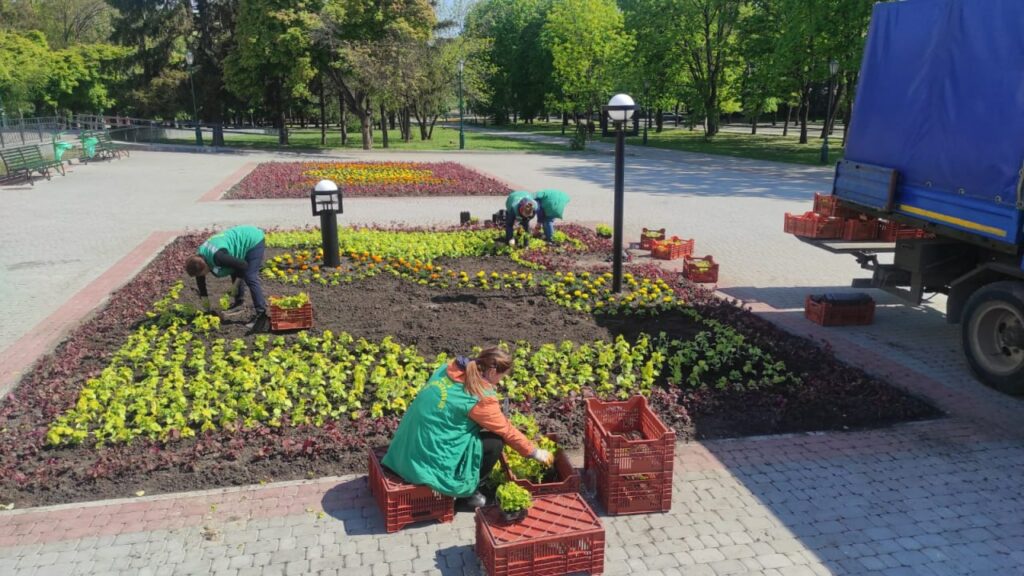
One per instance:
[(833, 396)]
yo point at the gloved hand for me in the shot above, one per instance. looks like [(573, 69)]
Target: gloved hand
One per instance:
[(512, 242), (543, 456)]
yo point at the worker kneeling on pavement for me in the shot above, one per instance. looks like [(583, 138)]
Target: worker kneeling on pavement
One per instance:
[(236, 252), (546, 205), (454, 431)]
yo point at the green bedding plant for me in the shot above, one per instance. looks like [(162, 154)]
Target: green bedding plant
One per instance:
[(513, 498)]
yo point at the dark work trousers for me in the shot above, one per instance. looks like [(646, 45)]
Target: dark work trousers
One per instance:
[(510, 223), (254, 258), (493, 445)]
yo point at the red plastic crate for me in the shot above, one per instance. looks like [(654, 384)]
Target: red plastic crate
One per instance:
[(893, 231), (693, 273), (828, 205), (560, 535), (831, 314), (609, 427), (619, 494), (291, 318), (568, 477), (672, 248), (811, 225), (402, 503), (646, 243), (855, 229)]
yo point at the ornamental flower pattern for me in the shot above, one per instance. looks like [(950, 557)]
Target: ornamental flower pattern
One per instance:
[(362, 179)]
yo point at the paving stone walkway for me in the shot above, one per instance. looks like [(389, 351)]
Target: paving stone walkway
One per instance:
[(935, 497)]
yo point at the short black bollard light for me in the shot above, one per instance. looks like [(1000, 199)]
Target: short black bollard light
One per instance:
[(326, 200)]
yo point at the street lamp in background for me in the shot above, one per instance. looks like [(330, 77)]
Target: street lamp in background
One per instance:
[(833, 67), (619, 110), (189, 58), (462, 134)]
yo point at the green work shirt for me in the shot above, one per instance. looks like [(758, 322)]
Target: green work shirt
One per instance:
[(552, 202), (437, 444), (237, 241), (513, 200)]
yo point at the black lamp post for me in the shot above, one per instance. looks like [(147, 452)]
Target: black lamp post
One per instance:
[(326, 201), (833, 67), (647, 112), (619, 110), (189, 58), (462, 135)]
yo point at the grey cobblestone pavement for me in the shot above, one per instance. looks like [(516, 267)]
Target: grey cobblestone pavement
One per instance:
[(929, 498)]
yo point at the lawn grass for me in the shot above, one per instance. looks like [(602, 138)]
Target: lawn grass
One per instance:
[(756, 146), (444, 139)]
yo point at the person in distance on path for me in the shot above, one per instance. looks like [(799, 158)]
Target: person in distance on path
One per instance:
[(454, 431)]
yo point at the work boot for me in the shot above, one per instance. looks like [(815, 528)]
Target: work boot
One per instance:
[(259, 324), (477, 500)]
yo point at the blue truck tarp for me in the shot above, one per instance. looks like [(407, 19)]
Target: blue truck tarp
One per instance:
[(941, 100)]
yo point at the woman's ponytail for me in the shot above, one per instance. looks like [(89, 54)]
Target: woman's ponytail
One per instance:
[(490, 358)]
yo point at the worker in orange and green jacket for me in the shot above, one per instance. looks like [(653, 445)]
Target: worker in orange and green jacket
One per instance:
[(454, 430)]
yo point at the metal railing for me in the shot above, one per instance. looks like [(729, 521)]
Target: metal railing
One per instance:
[(22, 131)]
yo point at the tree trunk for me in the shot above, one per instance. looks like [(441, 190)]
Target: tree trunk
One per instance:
[(343, 119), (677, 114), (753, 124), (805, 112), (847, 117), (659, 120), (282, 128), (785, 125), (391, 121), (323, 114), (383, 126)]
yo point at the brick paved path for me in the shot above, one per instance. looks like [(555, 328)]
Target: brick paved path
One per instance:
[(938, 497)]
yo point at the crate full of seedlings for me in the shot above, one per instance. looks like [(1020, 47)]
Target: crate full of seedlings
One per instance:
[(291, 312), (539, 480), (672, 248), (700, 270), (649, 236)]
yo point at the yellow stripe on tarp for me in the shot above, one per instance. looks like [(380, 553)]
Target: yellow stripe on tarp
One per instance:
[(952, 220)]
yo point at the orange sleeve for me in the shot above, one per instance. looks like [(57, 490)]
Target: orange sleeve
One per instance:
[(488, 415)]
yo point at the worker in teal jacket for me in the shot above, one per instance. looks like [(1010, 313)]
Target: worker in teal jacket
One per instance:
[(236, 252), (546, 205)]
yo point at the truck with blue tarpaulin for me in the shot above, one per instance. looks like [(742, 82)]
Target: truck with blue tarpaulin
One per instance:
[(936, 141)]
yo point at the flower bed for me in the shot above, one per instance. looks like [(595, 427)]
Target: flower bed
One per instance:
[(358, 179), (152, 394)]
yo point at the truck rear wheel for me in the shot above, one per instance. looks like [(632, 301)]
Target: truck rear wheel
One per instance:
[(993, 335)]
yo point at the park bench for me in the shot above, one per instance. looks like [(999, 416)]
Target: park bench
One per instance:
[(26, 160), (105, 146)]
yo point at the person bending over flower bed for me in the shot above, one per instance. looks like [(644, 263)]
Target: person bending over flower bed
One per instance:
[(236, 252), (546, 205), (453, 432)]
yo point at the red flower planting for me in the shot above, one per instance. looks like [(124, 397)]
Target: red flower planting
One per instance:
[(361, 179)]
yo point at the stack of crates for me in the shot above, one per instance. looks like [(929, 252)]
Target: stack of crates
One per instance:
[(628, 456)]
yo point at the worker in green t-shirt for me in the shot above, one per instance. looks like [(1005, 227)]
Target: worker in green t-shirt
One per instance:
[(546, 205), (236, 252)]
